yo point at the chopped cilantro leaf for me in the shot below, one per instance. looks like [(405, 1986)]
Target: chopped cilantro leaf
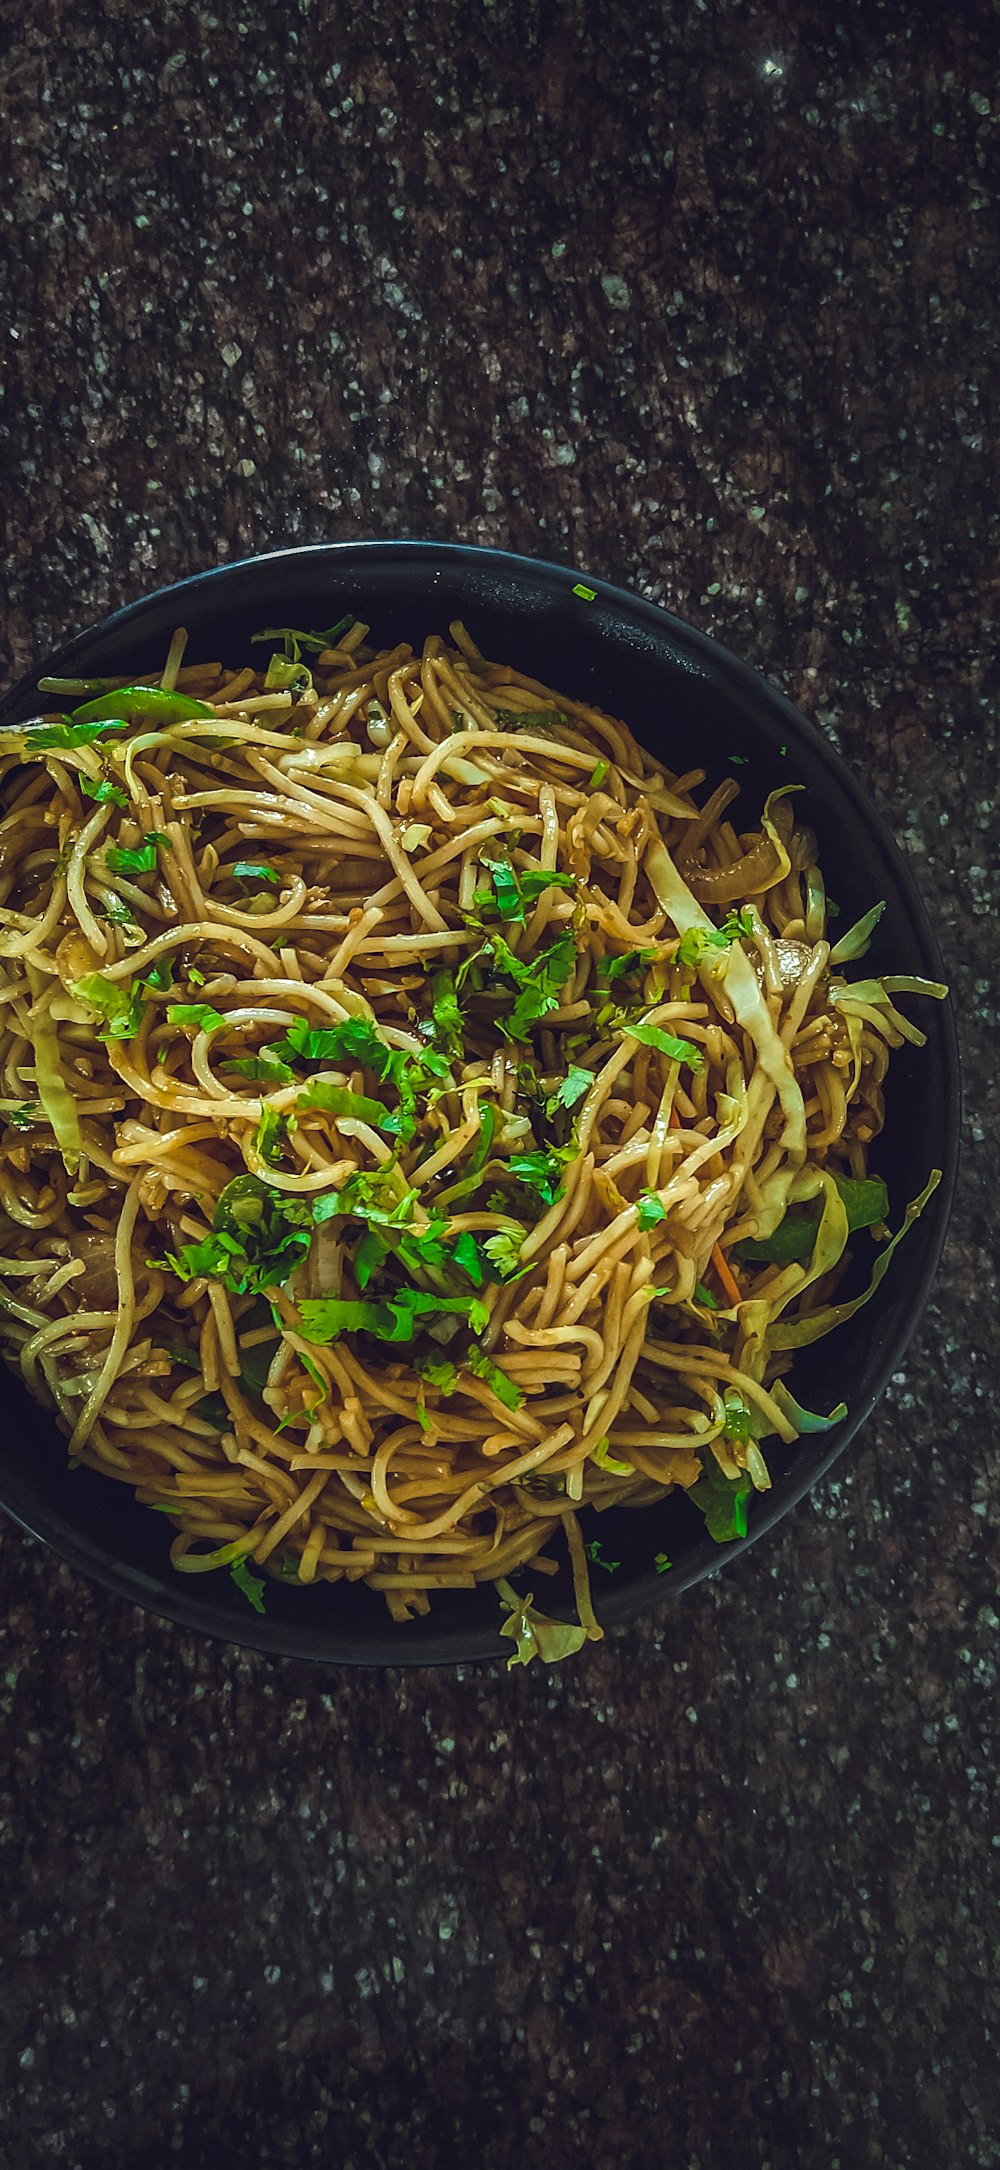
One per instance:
[(395, 1318), (539, 984), (200, 1016), (483, 1367), (105, 792), (24, 1115), (257, 1240), (138, 859), (576, 1082), (595, 1551), (695, 945), (264, 1069), (667, 1043), (437, 1372), (270, 1135), (68, 733), (251, 872), (632, 960), (651, 1210), (250, 1586)]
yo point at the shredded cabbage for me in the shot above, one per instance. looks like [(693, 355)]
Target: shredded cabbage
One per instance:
[(54, 1093), (798, 1333), (858, 938)]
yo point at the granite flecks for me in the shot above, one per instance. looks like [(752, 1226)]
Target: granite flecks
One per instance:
[(702, 299)]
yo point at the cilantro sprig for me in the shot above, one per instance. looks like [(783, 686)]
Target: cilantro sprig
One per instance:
[(257, 1239), (539, 983), (514, 890)]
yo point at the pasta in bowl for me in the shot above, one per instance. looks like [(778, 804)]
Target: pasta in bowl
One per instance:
[(428, 1121)]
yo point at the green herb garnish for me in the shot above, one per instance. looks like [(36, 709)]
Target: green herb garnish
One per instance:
[(394, 1318), (199, 1016), (68, 733), (667, 1043), (251, 872), (651, 1210), (105, 792), (699, 942), (138, 859), (483, 1367)]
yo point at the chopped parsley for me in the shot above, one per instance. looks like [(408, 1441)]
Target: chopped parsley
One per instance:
[(437, 1371), (504, 1251), (263, 1069)]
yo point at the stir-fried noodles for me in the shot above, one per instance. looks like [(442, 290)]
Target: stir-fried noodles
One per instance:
[(423, 1115)]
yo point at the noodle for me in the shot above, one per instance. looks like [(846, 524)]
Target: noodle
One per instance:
[(396, 1154)]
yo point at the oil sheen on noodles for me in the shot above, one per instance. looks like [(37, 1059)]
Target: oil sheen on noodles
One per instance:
[(423, 1116)]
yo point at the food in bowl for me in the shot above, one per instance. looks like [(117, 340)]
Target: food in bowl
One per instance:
[(424, 1118)]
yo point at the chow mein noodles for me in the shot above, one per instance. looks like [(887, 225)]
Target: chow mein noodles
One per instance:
[(422, 1115)]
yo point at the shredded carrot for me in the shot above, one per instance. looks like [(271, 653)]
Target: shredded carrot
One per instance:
[(726, 1276)]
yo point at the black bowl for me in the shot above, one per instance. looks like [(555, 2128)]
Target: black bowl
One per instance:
[(691, 703)]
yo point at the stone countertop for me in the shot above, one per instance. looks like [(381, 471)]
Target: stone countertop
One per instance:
[(702, 298)]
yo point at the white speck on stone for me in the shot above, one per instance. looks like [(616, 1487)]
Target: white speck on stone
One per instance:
[(616, 292), (231, 354)]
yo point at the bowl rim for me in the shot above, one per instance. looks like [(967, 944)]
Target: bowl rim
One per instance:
[(177, 1600)]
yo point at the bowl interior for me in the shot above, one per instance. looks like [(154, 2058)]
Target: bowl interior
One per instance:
[(690, 703)]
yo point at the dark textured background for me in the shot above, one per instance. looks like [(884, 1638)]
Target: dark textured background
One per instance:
[(704, 298)]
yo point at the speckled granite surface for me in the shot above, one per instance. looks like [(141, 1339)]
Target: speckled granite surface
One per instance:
[(704, 298)]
